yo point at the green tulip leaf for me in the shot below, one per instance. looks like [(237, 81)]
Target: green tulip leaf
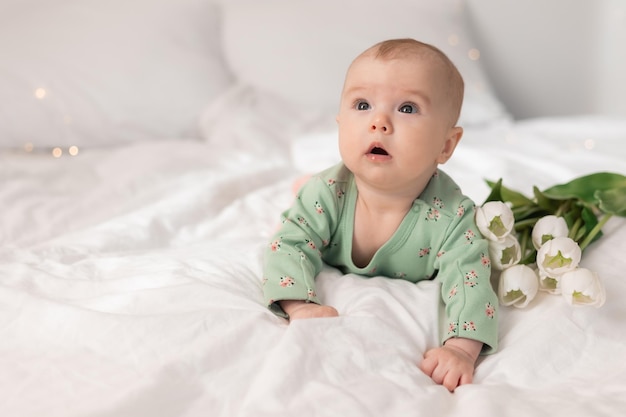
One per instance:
[(590, 221), (495, 194), (585, 188), (529, 212), (612, 201), (502, 193), (543, 201)]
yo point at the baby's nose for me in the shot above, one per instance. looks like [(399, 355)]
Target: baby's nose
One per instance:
[(380, 124), (377, 126)]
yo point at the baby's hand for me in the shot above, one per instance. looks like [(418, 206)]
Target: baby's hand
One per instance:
[(452, 364), (297, 309)]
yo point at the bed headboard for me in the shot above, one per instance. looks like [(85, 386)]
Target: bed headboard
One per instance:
[(557, 57)]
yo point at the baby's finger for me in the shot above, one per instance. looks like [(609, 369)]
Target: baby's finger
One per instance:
[(466, 379), (452, 380), (439, 375), (428, 365)]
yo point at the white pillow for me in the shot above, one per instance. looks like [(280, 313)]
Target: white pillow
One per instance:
[(301, 49), (100, 72)]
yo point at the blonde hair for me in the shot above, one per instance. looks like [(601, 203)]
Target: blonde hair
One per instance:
[(401, 48)]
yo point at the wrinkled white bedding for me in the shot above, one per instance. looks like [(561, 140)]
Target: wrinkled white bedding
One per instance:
[(130, 286)]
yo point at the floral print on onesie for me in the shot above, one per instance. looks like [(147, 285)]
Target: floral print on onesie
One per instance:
[(437, 239)]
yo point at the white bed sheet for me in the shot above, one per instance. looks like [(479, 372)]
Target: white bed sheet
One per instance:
[(130, 286)]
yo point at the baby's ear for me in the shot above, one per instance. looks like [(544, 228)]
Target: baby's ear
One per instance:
[(452, 139)]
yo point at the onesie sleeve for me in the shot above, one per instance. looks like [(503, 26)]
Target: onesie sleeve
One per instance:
[(464, 272), (293, 258)]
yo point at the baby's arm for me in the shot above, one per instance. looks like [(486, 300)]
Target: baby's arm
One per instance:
[(452, 364), (298, 309), (294, 258)]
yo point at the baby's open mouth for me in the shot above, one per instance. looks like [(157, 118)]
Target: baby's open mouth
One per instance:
[(378, 151)]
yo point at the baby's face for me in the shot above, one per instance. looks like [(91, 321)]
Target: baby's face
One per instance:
[(394, 121)]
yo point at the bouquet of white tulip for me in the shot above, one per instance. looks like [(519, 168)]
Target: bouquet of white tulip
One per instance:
[(537, 244)]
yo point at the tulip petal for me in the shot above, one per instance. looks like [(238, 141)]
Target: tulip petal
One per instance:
[(549, 284), (505, 253), (518, 286), (548, 228), (495, 220), (583, 287), (558, 256)]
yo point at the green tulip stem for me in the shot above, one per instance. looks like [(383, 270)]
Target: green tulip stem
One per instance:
[(595, 231), (524, 243), (575, 227), (563, 207), (523, 224)]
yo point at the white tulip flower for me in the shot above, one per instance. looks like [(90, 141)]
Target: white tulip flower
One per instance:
[(495, 220), (582, 287), (547, 228), (505, 253), (557, 256), (518, 286), (549, 284)]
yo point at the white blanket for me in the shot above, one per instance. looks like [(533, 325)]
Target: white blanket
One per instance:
[(130, 286)]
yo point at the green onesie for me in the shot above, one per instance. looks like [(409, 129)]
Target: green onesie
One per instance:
[(437, 238)]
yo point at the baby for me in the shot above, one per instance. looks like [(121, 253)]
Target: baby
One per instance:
[(387, 210)]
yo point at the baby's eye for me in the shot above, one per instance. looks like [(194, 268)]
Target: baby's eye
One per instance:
[(408, 108), (362, 105)]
